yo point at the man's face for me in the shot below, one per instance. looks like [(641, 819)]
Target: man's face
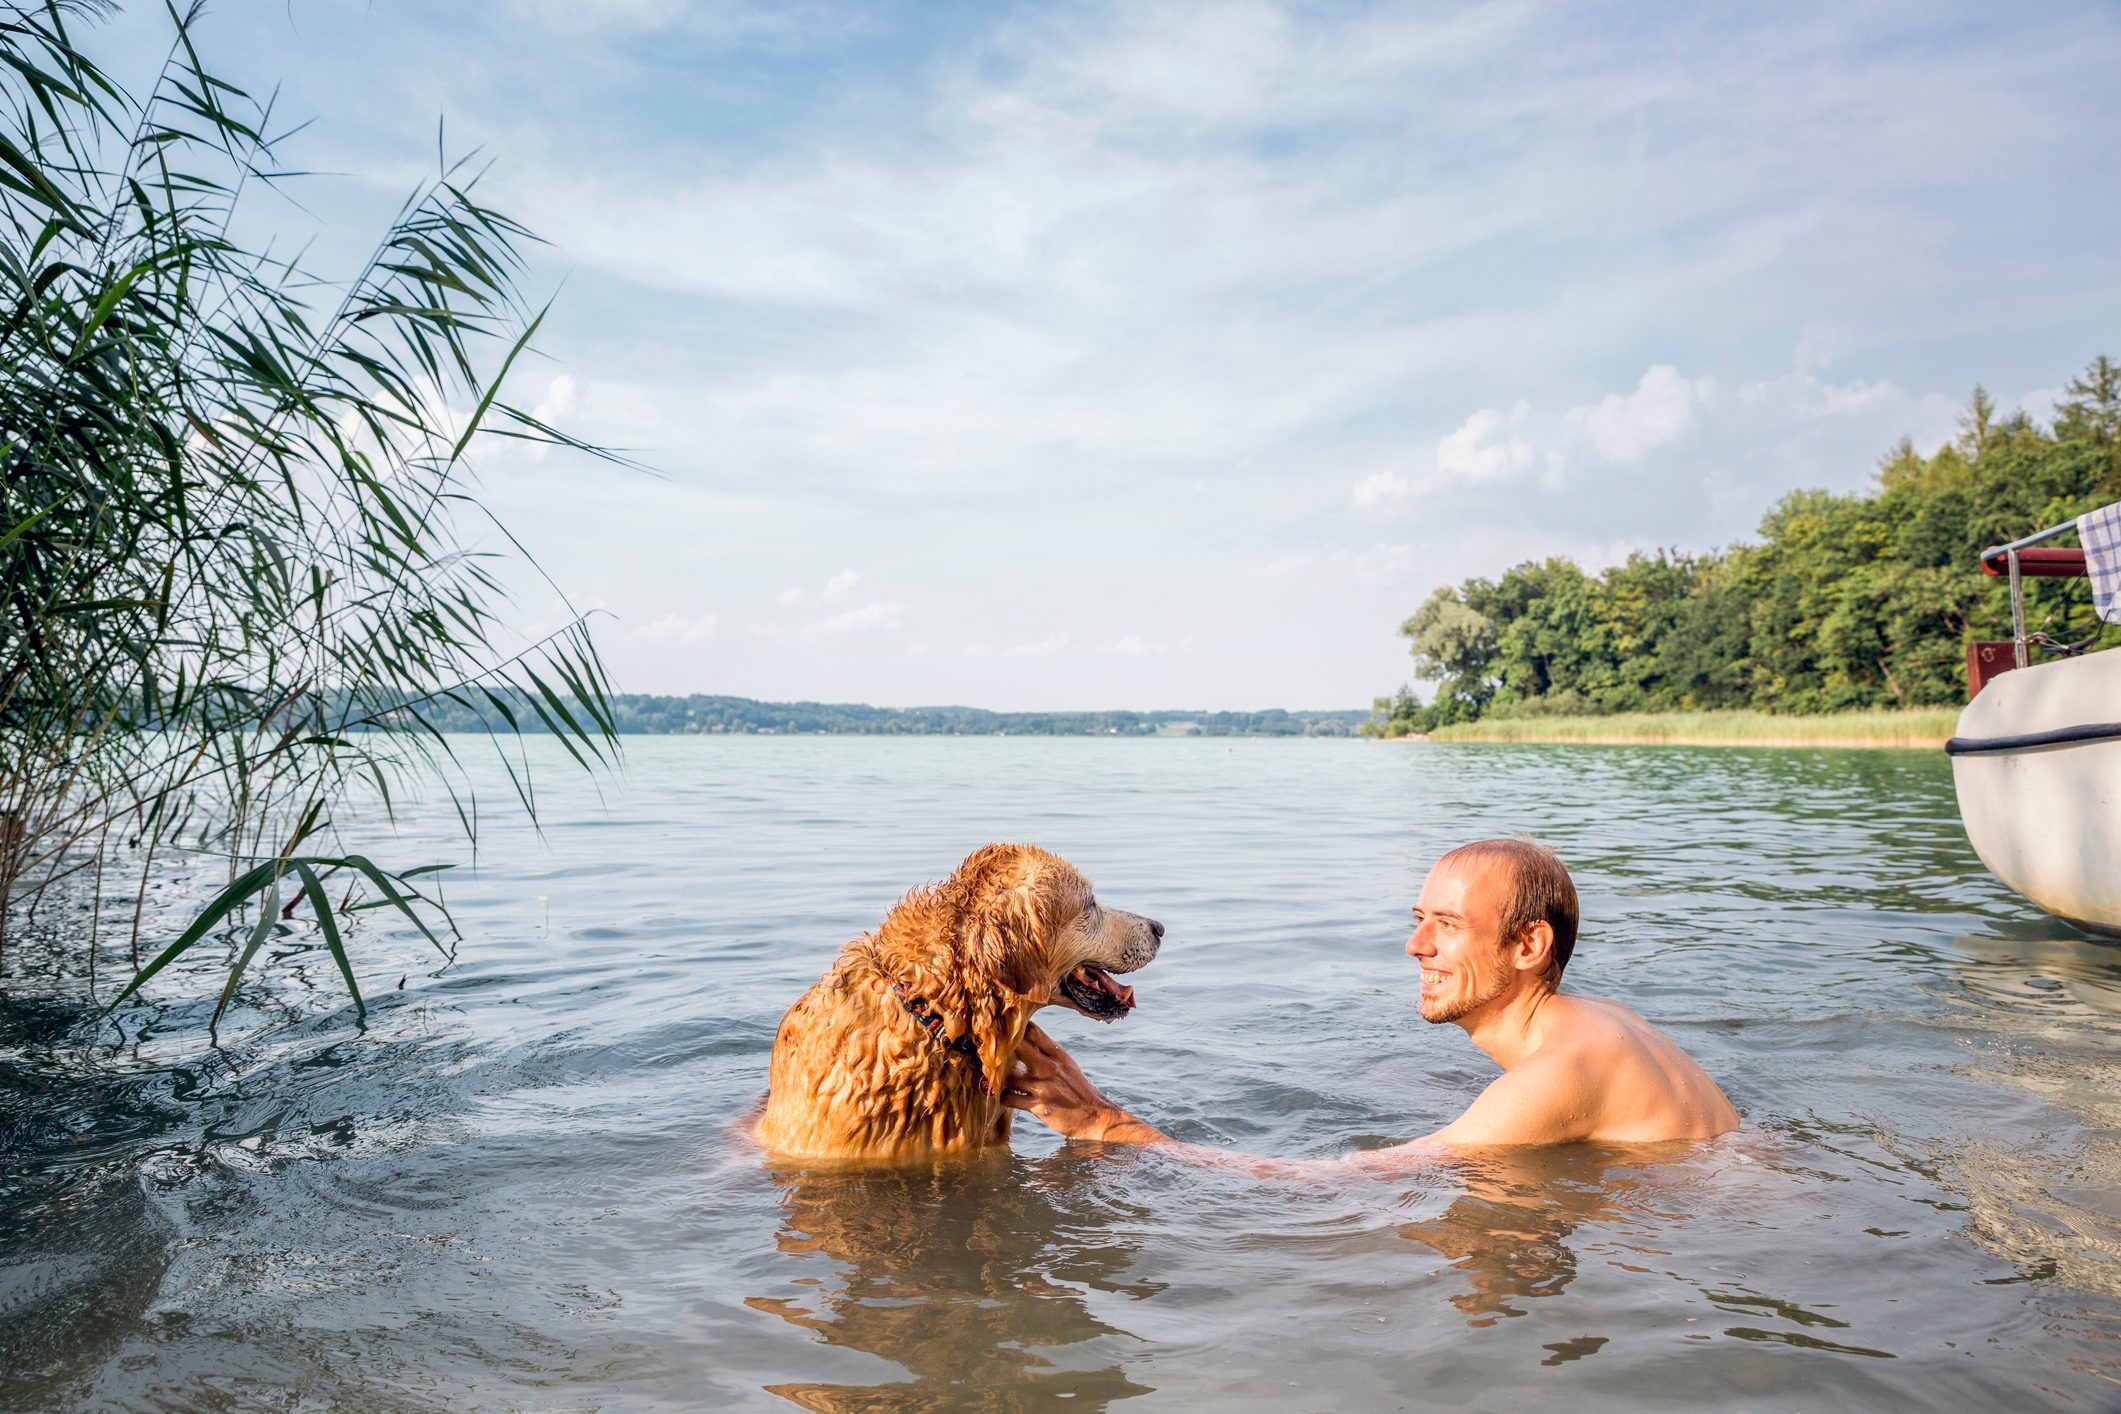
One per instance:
[(1458, 939)]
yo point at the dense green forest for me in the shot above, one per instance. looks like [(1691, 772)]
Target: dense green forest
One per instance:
[(1848, 601), (637, 713)]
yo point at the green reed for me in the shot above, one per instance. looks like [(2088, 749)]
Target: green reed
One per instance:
[(234, 571), (1917, 726)]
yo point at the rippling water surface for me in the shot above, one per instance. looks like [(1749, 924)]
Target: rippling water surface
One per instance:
[(521, 1184)]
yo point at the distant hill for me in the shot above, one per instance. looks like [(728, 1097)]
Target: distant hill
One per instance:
[(649, 714)]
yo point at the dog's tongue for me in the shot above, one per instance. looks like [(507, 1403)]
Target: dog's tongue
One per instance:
[(1123, 995)]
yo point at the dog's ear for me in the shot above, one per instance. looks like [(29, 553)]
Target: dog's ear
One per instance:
[(997, 1030), (1008, 940)]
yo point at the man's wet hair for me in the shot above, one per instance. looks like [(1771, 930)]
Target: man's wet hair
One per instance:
[(1540, 889)]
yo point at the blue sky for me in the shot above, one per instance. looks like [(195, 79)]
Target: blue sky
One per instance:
[(1167, 355)]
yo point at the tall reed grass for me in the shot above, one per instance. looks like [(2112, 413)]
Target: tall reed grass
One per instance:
[(235, 518), (1914, 727)]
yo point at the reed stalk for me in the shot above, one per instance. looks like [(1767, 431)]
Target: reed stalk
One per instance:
[(236, 512)]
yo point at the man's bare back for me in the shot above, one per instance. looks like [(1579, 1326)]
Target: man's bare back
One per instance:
[(1493, 931)]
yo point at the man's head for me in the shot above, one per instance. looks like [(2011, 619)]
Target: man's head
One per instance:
[(1495, 917)]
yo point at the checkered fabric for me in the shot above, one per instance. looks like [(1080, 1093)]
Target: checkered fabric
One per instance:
[(2100, 531)]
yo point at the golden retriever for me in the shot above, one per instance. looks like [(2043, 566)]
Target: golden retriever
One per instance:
[(903, 1049)]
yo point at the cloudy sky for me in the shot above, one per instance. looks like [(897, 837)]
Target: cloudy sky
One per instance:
[(1166, 355)]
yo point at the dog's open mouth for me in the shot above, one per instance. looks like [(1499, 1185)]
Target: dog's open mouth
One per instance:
[(1091, 991)]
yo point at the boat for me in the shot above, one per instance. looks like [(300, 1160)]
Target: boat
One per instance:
[(2036, 755)]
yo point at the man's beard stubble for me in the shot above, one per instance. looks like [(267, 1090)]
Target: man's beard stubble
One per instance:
[(1447, 1010)]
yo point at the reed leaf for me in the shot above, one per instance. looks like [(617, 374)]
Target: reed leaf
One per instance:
[(232, 574), (320, 905)]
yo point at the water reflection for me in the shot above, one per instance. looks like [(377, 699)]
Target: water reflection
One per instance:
[(1508, 1232), (972, 1276), (2044, 971), (2048, 1005)]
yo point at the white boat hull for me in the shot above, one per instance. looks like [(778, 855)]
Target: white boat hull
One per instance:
[(2045, 817)]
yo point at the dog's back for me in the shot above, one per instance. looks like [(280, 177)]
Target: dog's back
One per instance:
[(856, 1075)]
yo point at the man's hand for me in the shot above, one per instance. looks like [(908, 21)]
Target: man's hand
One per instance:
[(1052, 1086)]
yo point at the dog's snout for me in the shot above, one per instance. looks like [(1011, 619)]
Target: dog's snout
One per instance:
[(1156, 929)]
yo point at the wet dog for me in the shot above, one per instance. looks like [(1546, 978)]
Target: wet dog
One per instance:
[(904, 1047)]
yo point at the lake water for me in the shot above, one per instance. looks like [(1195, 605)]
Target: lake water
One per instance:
[(521, 1187)]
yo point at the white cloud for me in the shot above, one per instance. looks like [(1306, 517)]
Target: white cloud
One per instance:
[(1491, 444), (1383, 565), (1377, 487), (868, 618), (559, 613), (832, 589), (1130, 646), (1376, 566), (1041, 648), (1623, 427), (1799, 395), (1488, 444), (676, 629), (1785, 407), (2039, 404), (558, 400)]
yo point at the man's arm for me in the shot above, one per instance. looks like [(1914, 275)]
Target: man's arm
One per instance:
[(1544, 1100), (1053, 1087)]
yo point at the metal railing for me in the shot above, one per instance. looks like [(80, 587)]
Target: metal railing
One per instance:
[(2020, 652)]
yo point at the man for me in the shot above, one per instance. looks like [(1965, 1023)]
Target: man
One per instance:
[(1493, 932)]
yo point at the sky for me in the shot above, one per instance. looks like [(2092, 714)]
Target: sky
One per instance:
[(1059, 356)]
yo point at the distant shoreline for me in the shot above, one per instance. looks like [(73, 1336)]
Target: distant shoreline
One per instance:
[(1910, 728), (663, 714)]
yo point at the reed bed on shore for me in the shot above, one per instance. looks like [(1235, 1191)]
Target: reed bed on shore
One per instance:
[(1905, 727)]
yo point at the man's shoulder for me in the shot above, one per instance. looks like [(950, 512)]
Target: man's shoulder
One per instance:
[(1590, 1028), (1641, 1084), (1577, 1006), (1553, 1096)]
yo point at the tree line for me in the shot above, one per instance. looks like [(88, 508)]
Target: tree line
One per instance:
[(633, 713), (1849, 601)]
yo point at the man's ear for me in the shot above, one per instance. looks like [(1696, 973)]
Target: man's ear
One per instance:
[(1534, 948)]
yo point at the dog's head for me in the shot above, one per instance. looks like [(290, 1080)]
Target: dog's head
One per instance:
[(1035, 923)]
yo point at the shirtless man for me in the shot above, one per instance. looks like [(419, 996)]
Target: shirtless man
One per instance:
[(1493, 931)]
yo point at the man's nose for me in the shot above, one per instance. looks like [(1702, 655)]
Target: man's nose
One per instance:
[(1417, 945), (1157, 929)]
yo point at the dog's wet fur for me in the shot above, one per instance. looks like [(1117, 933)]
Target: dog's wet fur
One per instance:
[(857, 1075)]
